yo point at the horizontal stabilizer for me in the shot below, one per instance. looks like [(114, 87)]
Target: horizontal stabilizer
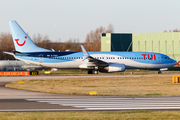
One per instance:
[(9, 53)]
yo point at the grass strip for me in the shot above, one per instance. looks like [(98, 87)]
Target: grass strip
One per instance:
[(116, 86), (103, 115)]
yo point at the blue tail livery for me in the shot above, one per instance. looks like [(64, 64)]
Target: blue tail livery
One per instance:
[(27, 51), (22, 41)]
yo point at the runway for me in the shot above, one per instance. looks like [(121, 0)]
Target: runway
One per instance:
[(89, 104), (22, 100)]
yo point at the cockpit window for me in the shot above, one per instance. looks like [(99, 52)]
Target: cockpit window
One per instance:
[(167, 58)]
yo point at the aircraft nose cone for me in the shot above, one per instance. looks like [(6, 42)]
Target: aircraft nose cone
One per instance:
[(174, 62)]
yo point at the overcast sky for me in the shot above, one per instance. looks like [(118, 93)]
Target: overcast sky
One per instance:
[(67, 19)]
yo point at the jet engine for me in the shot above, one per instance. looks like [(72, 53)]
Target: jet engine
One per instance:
[(113, 67)]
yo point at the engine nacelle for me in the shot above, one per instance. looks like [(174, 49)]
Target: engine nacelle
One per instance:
[(114, 67)]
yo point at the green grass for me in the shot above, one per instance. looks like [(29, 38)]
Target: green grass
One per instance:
[(103, 115), (78, 72)]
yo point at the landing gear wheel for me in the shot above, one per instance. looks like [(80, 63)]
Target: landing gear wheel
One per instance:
[(90, 72), (95, 72), (159, 72)]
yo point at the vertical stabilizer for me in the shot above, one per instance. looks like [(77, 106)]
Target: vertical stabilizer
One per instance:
[(21, 40)]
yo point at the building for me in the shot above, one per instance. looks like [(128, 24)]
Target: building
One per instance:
[(116, 42), (167, 43)]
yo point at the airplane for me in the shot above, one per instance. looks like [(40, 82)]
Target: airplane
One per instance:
[(14, 65), (27, 51)]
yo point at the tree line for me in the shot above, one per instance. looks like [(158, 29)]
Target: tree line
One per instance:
[(91, 43), (175, 30)]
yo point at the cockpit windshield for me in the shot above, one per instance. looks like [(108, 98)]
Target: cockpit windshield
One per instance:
[(167, 57)]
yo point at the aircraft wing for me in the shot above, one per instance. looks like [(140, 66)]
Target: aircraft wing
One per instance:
[(97, 61), (92, 62)]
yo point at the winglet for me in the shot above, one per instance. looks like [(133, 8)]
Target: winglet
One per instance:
[(84, 52)]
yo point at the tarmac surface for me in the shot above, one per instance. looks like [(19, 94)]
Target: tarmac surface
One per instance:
[(22, 100)]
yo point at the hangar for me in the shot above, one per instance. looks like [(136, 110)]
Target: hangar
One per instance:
[(166, 43), (116, 42)]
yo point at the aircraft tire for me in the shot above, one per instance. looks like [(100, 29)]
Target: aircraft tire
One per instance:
[(95, 72), (90, 72)]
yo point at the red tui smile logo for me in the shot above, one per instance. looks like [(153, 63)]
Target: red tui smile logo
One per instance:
[(22, 43)]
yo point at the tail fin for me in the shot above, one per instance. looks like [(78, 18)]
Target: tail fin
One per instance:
[(21, 40)]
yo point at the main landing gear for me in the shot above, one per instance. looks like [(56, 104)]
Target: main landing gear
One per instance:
[(159, 72), (92, 72)]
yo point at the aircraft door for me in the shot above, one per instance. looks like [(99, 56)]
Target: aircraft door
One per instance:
[(158, 59), (41, 58)]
